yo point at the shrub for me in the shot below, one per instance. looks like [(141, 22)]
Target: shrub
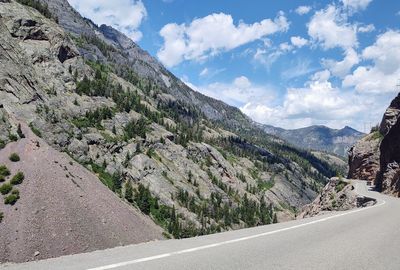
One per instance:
[(35, 130), (2, 144), (14, 157), (340, 185), (11, 199), (2, 178), (17, 179), (1, 216), (13, 137), (4, 171), (5, 188)]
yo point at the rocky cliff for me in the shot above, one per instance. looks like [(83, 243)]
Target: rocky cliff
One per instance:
[(375, 157), (364, 158), (388, 178), (190, 164), (337, 195)]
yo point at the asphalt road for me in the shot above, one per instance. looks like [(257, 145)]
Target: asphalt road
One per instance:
[(365, 238)]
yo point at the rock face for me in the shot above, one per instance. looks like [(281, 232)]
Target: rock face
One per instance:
[(376, 156), (388, 178), (364, 158), (336, 141), (337, 195)]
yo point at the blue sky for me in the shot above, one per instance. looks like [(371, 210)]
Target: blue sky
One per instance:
[(285, 63)]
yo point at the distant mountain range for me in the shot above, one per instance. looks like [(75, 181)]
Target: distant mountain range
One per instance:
[(321, 138)]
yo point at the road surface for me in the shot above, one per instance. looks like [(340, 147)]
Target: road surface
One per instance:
[(365, 238)]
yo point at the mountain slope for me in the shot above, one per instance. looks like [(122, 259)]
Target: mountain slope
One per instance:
[(193, 164), (63, 208), (321, 138)]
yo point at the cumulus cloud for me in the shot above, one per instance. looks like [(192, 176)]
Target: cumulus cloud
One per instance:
[(330, 29), (236, 93), (342, 68), (356, 5), (382, 75), (298, 41), (124, 15), (210, 35), (318, 102), (366, 28), (301, 10)]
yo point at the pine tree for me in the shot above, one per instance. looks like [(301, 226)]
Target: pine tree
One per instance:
[(128, 192)]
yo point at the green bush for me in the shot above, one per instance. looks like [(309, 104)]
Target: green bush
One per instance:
[(35, 130), (2, 144), (14, 157), (1, 216), (13, 137), (11, 199), (17, 179), (5, 188), (4, 171), (15, 192), (340, 186)]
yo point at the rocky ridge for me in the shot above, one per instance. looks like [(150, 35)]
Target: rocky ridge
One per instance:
[(337, 195), (321, 138)]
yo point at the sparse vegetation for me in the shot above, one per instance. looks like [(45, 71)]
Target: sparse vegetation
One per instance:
[(112, 181), (13, 137), (4, 171), (12, 198), (14, 157), (5, 188), (35, 130), (17, 179), (340, 185), (376, 135), (42, 8)]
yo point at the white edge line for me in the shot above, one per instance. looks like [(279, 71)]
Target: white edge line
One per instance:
[(160, 256)]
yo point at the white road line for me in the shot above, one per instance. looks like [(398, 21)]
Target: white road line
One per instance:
[(156, 257)]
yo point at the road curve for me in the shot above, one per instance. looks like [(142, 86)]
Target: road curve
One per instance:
[(365, 238)]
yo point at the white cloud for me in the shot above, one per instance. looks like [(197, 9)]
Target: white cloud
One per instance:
[(318, 102), (210, 35), (268, 55), (237, 93), (366, 28), (204, 72), (301, 10), (242, 82), (356, 5), (329, 28), (124, 15), (342, 68), (297, 67), (298, 41), (382, 75)]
